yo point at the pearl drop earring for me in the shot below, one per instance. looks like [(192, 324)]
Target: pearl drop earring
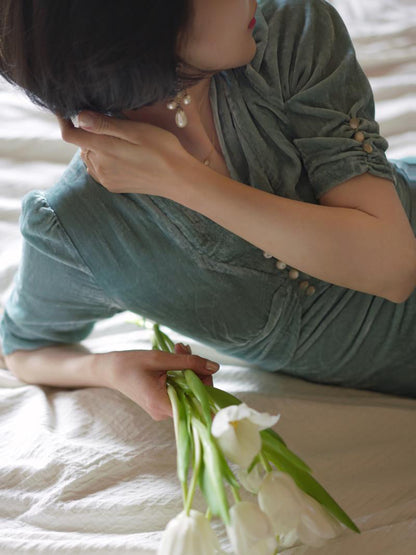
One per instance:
[(183, 97)]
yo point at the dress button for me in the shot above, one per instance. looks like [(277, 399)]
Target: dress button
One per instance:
[(267, 255), (354, 123), (281, 265), (368, 148), (303, 285), (359, 136), (293, 274), (310, 290)]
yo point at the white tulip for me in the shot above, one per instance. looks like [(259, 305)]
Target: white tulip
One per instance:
[(294, 514), (237, 430), (316, 524), (250, 531), (188, 535)]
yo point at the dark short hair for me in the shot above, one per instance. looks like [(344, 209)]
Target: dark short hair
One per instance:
[(101, 55)]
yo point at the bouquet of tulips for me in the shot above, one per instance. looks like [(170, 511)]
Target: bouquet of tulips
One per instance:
[(214, 429)]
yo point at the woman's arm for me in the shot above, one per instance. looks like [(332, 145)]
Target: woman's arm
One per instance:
[(365, 244), (140, 375), (368, 247)]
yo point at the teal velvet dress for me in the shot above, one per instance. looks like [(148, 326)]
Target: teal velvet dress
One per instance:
[(287, 124)]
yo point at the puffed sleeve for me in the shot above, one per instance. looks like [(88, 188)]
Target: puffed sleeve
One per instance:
[(55, 299), (329, 101)]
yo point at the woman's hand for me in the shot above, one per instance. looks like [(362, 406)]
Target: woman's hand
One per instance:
[(141, 375), (127, 156)]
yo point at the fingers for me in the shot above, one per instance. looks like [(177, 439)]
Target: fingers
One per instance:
[(71, 134), (181, 349), (159, 407), (157, 403), (169, 361), (114, 127)]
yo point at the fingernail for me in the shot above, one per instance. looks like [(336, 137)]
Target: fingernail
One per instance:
[(188, 348), (86, 121), (212, 366), (75, 121)]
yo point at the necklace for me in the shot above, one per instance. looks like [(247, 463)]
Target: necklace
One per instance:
[(181, 120)]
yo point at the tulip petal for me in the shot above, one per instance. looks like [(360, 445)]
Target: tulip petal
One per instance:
[(317, 519), (251, 481), (250, 530), (289, 539), (237, 431), (234, 413), (279, 500), (309, 485)]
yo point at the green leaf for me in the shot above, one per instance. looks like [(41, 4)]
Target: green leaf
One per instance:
[(275, 444), (221, 398), (211, 482), (208, 490), (309, 485), (276, 436), (198, 389)]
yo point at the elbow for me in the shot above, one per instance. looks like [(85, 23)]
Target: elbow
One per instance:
[(9, 363), (13, 364), (404, 285)]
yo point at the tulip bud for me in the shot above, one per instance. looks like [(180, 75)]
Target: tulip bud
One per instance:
[(188, 535), (294, 514), (250, 531)]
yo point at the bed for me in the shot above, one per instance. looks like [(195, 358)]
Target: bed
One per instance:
[(87, 471)]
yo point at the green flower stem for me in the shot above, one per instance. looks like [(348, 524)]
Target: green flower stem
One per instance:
[(161, 339), (196, 469), (182, 439), (266, 465), (177, 378), (236, 494)]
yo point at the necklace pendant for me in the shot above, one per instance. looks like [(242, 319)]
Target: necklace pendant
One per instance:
[(180, 118), (207, 162)]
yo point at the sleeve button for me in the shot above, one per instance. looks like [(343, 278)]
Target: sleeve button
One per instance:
[(293, 274), (267, 255), (368, 148), (354, 123), (310, 290), (303, 285), (359, 136), (281, 265)]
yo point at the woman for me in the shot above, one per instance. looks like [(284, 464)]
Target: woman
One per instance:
[(241, 196)]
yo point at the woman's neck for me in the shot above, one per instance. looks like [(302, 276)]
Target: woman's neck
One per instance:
[(199, 135)]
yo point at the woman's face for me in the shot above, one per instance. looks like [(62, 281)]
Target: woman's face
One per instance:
[(219, 36)]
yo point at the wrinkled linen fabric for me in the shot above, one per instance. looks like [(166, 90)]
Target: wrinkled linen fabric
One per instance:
[(284, 122), (92, 473)]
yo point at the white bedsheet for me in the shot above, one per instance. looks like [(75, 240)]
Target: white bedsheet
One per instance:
[(86, 471)]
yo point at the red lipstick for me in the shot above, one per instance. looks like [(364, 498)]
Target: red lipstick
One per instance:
[(252, 23)]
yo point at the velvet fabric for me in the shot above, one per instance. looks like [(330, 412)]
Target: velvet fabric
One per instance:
[(287, 125)]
